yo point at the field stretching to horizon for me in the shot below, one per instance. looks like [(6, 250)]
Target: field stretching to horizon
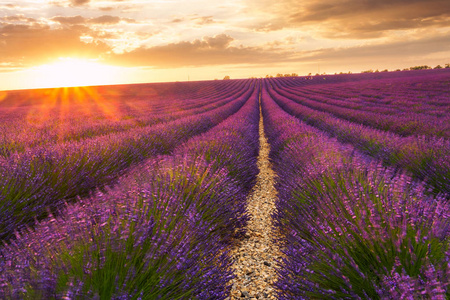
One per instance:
[(144, 191)]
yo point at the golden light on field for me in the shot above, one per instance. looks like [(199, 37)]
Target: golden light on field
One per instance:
[(69, 72)]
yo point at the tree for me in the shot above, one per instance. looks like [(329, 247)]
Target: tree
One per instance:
[(425, 67), (226, 78)]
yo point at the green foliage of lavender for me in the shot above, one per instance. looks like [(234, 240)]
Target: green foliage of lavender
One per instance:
[(352, 228), (160, 233), (42, 118), (410, 106), (45, 177), (360, 230), (426, 157), (139, 240), (163, 195)]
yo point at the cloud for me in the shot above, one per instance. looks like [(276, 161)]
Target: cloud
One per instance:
[(354, 18), (69, 20), (79, 2), (102, 20), (432, 49), (391, 51), (10, 6), (107, 8), (219, 50), (177, 20), (220, 41), (25, 41), (385, 10), (105, 19), (204, 20), (216, 50), (18, 18), (267, 26), (29, 45)]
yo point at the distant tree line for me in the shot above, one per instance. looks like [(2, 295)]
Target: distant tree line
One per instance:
[(424, 67), (283, 75)]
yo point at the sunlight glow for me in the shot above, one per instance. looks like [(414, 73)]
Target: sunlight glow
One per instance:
[(67, 72)]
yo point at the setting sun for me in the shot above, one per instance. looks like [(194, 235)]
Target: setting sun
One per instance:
[(75, 72)]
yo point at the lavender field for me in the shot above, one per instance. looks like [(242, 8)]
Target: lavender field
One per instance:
[(141, 191)]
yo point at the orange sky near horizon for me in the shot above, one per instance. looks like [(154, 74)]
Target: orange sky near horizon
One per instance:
[(46, 43)]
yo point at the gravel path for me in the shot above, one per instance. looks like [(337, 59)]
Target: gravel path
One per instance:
[(255, 256)]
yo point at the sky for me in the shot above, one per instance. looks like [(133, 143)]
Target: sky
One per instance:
[(44, 42)]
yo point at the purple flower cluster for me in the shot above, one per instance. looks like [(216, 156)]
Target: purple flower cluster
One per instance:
[(139, 192), (162, 232), (352, 229), (88, 112), (42, 178), (410, 106), (426, 157)]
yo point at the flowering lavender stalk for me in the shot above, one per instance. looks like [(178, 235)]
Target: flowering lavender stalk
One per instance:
[(161, 233), (408, 105), (97, 114), (133, 240), (427, 158), (44, 178), (353, 229)]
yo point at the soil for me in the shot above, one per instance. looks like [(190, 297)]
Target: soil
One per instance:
[(257, 254)]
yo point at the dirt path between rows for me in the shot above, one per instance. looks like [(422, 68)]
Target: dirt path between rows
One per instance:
[(255, 256)]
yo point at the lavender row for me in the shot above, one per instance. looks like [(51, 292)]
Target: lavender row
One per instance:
[(361, 77), (415, 117), (44, 108), (352, 229), (161, 233), (19, 137), (426, 94), (399, 93), (427, 158), (97, 115), (26, 100), (34, 182)]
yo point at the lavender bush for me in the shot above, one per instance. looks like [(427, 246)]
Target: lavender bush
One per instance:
[(161, 233), (43, 178), (353, 229), (94, 115), (426, 157), (410, 106)]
